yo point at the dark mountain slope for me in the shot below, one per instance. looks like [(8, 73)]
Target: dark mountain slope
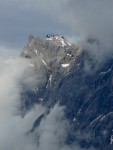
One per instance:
[(73, 80)]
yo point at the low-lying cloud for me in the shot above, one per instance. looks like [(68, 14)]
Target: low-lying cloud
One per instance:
[(13, 126)]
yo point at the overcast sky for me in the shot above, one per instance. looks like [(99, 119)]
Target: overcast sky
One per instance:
[(71, 18), (19, 19)]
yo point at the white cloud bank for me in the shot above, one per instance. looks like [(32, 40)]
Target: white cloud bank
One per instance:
[(13, 126)]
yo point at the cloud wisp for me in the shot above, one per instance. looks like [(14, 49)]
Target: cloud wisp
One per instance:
[(13, 126)]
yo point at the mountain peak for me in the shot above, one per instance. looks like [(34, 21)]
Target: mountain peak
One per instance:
[(58, 40), (68, 75), (53, 52)]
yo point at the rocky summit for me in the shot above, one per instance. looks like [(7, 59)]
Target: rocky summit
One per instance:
[(70, 77)]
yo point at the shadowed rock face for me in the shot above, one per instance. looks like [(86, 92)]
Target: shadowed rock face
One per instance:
[(87, 94)]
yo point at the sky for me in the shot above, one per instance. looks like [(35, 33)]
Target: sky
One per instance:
[(19, 19), (72, 18)]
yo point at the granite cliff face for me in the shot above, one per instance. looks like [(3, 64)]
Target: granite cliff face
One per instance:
[(70, 79)]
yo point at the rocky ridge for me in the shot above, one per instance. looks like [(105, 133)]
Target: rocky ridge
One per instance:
[(86, 94)]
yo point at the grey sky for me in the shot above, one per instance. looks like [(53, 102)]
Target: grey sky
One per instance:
[(20, 18)]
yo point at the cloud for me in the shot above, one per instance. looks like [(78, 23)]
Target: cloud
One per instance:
[(92, 19), (53, 131), (13, 126), (87, 17)]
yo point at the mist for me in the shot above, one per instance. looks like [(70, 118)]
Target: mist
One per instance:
[(13, 126)]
